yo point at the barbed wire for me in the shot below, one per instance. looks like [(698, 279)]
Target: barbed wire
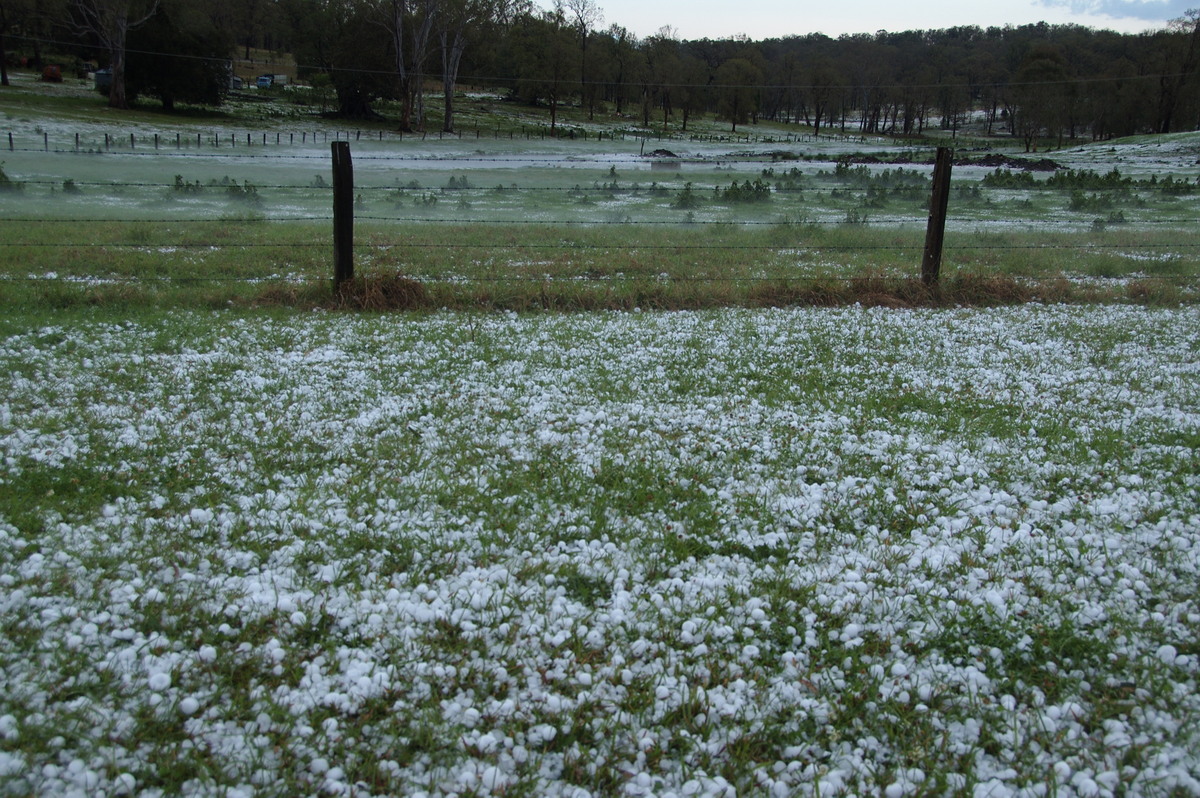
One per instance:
[(375, 241), (866, 221), (656, 278), (616, 159), (582, 246), (1179, 189)]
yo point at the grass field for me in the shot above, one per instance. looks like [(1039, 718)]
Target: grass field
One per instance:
[(908, 543), (754, 552), (212, 208)]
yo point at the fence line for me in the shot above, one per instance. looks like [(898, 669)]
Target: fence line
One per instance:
[(156, 142), (322, 191)]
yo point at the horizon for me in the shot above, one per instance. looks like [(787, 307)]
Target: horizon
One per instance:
[(711, 19)]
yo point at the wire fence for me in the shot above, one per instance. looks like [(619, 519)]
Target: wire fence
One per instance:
[(537, 216), (223, 142)]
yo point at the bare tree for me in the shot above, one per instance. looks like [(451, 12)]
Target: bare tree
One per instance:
[(410, 25), (110, 21), (584, 16), (456, 21)]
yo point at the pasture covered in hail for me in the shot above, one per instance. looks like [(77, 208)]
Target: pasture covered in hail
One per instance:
[(789, 552)]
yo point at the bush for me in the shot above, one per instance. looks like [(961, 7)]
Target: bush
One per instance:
[(1005, 178), (7, 183), (746, 193), (686, 199)]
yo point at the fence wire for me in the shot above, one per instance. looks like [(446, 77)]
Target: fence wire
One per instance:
[(389, 234)]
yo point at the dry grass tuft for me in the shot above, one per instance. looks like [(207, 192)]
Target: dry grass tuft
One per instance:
[(975, 289), (381, 292), (1162, 293), (396, 292)]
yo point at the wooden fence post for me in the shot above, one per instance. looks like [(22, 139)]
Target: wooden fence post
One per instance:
[(935, 233), (343, 214)]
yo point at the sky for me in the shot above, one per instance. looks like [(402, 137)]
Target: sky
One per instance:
[(763, 19)]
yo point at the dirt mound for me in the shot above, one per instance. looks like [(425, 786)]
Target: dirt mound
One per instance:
[(996, 161)]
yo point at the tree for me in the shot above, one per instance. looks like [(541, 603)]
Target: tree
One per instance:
[(692, 92), (340, 39), (179, 55), (584, 16), (618, 66), (544, 54), (737, 83), (8, 15), (662, 51), (7, 20), (110, 22), (1181, 56), (825, 89), (458, 20), (1040, 89), (409, 24)]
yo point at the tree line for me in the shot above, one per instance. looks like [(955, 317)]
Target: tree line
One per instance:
[(1034, 82)]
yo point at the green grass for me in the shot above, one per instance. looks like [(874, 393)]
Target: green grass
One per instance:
[(596, 235), (612, 266), (783, 541)]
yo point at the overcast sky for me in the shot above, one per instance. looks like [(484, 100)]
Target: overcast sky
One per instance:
[(762, 19)]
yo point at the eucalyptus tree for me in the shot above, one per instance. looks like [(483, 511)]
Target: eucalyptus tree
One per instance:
[(543, 52), (409, 25), (11, 14), (584, 16), (618, 66), (342, 40), (824, 91), (110, 22), (180, 55), (459, 22), (1040, 87), (737, 81), (691, 94), (1180, 54), (662, 55)]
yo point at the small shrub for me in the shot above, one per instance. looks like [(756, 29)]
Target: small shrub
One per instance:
[(183, 187), (1005, 178), (747, 192), (1154, 292), (1090, 202), (243, 193), (7, 183), (686, 199)]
